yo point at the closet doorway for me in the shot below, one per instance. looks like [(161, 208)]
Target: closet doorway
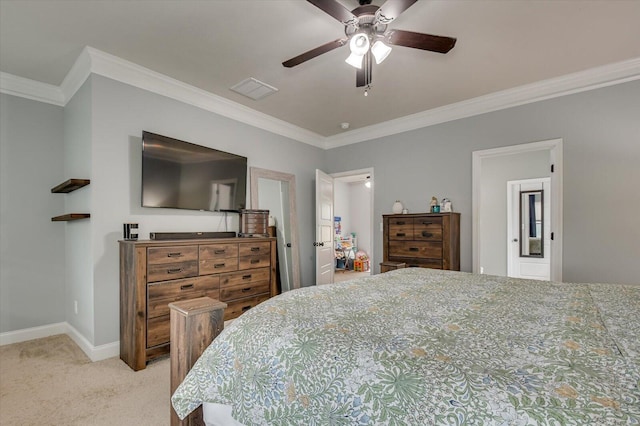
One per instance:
[(353, 223)]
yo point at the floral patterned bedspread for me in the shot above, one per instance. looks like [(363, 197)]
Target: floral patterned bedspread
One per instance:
[(418, 346)]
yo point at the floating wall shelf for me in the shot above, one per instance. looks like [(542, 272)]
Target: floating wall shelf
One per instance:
[(64, 188), (70, 185), (70, 216)]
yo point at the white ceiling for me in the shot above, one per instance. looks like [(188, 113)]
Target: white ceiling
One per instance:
[(215, 44)]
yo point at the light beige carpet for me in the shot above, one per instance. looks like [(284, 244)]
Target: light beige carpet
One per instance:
[(51, 381)]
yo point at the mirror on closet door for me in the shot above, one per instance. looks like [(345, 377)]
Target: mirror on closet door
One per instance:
[(276, 192), (531, 224)]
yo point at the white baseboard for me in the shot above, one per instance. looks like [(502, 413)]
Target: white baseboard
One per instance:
[(95, 353)]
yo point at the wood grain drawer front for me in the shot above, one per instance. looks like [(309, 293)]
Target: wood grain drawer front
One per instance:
[(427, 229), (160, 294), (401, 229), (254, 249), (158, 331), (170, 271), (425, 263), (416, 249), (244, 284), (243, 278), (173, 254), (251, 262), (232, 293), (235, 309), (218, 251)]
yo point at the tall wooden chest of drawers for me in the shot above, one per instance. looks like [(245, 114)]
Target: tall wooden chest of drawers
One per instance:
[(238, 271), (426, 240)]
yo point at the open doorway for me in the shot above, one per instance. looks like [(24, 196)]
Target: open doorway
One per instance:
[(353, 223), (492, 169)]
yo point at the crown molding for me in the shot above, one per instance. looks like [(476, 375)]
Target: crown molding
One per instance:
[(95, 61), (31, 89), (118, 69), (594, 78)]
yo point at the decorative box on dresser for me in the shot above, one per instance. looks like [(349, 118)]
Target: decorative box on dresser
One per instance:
[(153, 273), (426, 240)]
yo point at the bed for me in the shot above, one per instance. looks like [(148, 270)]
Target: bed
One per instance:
[(420, 346)]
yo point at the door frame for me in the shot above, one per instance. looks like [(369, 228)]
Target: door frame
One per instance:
[(554, 146), (368, 171)]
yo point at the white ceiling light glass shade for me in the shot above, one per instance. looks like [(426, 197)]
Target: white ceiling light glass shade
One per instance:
[(359, 46), (380, 51), (355, 60)]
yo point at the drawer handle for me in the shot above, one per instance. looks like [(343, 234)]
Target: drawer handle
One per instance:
[(223, 251), (255, 248), (400, 223), (246, 277), (427, 223), (186, 287), (176, 254), (246, 308), (174, 271), (401, 234), (254, 261), (244, 290), (414, 249), (427, 234), (219, 265)]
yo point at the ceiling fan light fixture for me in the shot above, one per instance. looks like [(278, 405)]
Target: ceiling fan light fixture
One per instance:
[(359, 44), (380, 51), (355, 60)]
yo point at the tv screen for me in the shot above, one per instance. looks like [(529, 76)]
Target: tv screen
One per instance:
[(182, 175)]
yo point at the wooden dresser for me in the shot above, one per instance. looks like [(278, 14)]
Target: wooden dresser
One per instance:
[(426, 240), (238, 271)]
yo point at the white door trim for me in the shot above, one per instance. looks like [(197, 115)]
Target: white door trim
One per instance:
[(554, 147)]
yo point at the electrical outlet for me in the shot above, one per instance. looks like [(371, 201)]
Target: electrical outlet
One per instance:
[(482, 270), (75, 307)]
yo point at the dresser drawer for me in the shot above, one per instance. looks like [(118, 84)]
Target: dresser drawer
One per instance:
[(160, 294), (425, 263), (217, 266), (173, 254), (416, 249), (401, 229), (170, 271), (427, 229), (244, 284), (254, 249), (218, 251), (250, 262), (237, 308), (158, 331), (245, 277)]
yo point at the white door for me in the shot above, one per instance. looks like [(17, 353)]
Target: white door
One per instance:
[(529, 224), (325, 254)]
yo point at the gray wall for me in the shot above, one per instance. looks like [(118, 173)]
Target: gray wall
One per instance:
[(601, 134), (119, 115), (102, 129), (32, 256), (496, 172)]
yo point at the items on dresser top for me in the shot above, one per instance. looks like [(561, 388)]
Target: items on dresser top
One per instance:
[(237, 271), (426, 240)]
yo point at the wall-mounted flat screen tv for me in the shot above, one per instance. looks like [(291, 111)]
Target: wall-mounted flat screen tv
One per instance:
[(182, 175)]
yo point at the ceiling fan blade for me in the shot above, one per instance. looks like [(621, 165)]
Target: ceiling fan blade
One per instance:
[(335, 9), (314, 52), (422, 41), (391, 9)]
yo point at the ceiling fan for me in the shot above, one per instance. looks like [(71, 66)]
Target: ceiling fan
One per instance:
[(366, 33)]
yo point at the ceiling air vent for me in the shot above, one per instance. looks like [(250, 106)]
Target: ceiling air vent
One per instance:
[(254, 89)]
